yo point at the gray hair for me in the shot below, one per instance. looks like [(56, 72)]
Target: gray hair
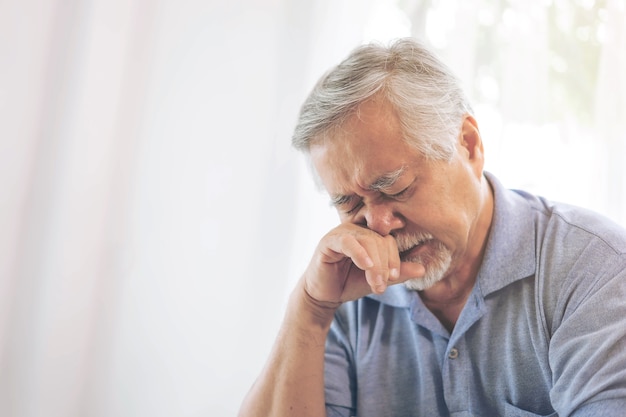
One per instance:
[(427, 97)]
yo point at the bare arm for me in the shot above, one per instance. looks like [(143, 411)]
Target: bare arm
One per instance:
[(292, 382), (349, 263)]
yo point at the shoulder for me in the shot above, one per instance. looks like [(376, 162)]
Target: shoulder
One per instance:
[(581, 262), (557, 221), (552, 219), (577, 229), (557, 243)]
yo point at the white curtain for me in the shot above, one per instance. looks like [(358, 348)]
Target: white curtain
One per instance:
[(153, 214)]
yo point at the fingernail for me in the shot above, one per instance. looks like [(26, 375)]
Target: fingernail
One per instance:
[(394, 273)]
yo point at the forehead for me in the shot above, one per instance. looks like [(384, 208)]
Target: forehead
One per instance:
[(367, 146)]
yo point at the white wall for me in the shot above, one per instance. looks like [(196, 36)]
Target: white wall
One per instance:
[(151, 198)]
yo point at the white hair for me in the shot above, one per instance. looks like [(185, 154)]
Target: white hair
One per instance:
[(426, 96)]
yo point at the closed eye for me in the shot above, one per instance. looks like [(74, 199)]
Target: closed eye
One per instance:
[(399, 195), (356, 208)]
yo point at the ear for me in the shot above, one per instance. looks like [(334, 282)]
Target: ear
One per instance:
[(470, 139)]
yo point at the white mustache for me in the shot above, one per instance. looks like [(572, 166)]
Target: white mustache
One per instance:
[(406, 242)]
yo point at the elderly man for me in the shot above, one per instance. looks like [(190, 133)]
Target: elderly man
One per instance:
[(510, 305)]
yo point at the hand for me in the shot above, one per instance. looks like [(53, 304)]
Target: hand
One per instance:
[(351, 262)]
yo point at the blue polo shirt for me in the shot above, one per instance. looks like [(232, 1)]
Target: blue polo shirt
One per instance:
[(543, 332)]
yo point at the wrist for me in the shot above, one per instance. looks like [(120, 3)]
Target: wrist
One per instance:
[(309, 310)]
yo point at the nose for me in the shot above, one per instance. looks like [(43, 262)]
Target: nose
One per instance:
[(382, 219)]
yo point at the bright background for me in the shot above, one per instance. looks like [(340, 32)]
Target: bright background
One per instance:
[(153, 216)]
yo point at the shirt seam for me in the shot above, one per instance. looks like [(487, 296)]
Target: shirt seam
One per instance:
[(580, 227)]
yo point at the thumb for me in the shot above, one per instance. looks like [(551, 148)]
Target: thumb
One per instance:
[(410, 270)]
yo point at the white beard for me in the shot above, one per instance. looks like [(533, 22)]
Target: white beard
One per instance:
[(436, 260)]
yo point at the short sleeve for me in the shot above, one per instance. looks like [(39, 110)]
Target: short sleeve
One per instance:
[(588, 347)]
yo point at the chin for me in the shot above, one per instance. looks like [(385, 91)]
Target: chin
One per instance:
[(436, 264), (424, 283)]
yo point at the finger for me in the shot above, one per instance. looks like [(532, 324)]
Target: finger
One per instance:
[(346, 245), (411, 270), (393, 259), (363, 251), (378, 275), (367, 250), (376, 280)]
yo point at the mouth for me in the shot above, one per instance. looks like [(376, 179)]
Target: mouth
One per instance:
[(415, 249)]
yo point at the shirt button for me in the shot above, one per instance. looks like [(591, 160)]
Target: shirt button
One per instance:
[(454, 353)]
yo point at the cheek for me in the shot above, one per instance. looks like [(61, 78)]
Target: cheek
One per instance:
[(444, 219), (427, 215)]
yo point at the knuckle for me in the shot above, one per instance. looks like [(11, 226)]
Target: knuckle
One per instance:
[(390, 239), (346, 239)]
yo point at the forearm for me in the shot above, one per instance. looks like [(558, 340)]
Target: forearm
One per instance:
[(292, 382)]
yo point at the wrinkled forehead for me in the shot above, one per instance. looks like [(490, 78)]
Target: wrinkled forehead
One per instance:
[(356, 162), (367, 145)]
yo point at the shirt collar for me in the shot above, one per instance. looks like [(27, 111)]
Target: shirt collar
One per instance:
[(510, 252)]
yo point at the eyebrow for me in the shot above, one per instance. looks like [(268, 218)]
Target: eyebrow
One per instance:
[(386, 180), (383, 182)]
